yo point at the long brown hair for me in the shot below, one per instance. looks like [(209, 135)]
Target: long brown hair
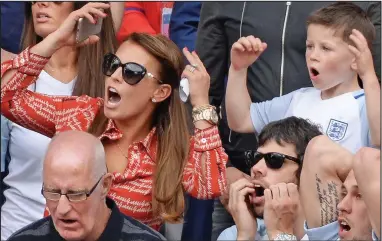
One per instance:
[(172, 129), (90, 79)]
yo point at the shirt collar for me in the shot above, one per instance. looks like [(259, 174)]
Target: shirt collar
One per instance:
[(149, 142)]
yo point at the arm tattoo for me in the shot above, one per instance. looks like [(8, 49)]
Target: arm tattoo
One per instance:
[(329, 199)]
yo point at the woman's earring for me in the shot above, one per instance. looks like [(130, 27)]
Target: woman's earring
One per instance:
[(153, 100)]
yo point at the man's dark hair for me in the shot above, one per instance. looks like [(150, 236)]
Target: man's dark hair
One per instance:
[(292, 130), (343, 17)]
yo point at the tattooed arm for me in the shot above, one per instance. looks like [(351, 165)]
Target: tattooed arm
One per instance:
[(326, 165)]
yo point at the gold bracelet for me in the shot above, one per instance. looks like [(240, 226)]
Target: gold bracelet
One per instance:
[(203, 107)]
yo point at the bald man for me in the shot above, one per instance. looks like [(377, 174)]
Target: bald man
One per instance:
[(75, 186)]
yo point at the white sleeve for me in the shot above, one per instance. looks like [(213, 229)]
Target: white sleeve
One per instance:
[(228, 234), (326, 232), (263, 113)]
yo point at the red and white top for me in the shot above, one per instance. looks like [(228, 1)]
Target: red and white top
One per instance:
[(131, 190)]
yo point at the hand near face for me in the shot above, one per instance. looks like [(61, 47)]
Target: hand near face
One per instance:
[(246, 51), (232, 175), (198, 78), (240, 209), (65, 35), (280, 208), (361, 51)]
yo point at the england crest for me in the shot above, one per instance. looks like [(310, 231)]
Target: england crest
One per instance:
[(336, 130)]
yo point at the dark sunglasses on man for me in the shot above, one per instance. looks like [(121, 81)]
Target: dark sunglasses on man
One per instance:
[(273, 160), (132, 73)]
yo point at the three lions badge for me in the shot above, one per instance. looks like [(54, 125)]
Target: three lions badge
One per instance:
[(336, 130)]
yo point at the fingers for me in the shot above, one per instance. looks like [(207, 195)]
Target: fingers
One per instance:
[(240, 189), (187, 72), (92, 11), (200, 64), (245, 41), (98, 5), (359, 40), (293, 192), (89, 17), (250, 43), (354, 50), (267, 196), (275, 192), (188, 56), (283, 190), (97, 12), (91, 40), (238, 46)]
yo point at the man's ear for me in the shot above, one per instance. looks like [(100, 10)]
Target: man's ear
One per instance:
[(162, 93), (106, 184)]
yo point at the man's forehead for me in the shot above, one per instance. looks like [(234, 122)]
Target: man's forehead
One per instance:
[(273, 146)]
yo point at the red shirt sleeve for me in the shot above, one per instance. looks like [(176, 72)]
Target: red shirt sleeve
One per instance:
[(38, 112), (205, 179)]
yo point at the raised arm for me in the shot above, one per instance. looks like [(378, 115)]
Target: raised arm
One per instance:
[(366, 166), (39, 112), (374, 13), (238, 102), (326, 166), (365, 69), (204, 173)]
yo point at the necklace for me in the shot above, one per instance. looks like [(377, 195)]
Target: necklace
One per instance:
[(120, 149), (49, 67)]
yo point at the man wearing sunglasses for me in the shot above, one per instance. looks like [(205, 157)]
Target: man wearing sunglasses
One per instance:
[(275, 170), (75, 186), (340, 192)]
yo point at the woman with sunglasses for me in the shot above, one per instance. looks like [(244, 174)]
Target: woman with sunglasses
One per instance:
[(141, 120), (69, 71)]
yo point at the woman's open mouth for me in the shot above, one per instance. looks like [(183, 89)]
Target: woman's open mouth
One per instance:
[(113, 97)]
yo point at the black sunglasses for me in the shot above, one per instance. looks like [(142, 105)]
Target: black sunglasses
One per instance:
[(273, 160), (132, 73)]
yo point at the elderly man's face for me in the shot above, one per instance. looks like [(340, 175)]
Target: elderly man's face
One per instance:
[(73, 220)]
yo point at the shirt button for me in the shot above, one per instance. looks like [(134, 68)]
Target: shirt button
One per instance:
[(203, 140)]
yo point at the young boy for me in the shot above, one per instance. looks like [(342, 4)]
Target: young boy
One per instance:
[(338, 43)]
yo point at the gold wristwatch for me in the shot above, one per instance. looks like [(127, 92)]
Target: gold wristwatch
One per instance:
[(207, 113)]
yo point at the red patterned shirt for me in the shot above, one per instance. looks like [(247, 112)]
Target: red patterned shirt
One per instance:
[(132, 189)]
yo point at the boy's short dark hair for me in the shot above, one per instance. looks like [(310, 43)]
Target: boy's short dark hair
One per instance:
[(343, 17), (291, 130)]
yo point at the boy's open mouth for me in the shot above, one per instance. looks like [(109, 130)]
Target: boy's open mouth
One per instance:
[(314, 72)]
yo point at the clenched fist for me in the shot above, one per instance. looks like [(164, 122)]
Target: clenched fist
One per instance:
[(245, 51)]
